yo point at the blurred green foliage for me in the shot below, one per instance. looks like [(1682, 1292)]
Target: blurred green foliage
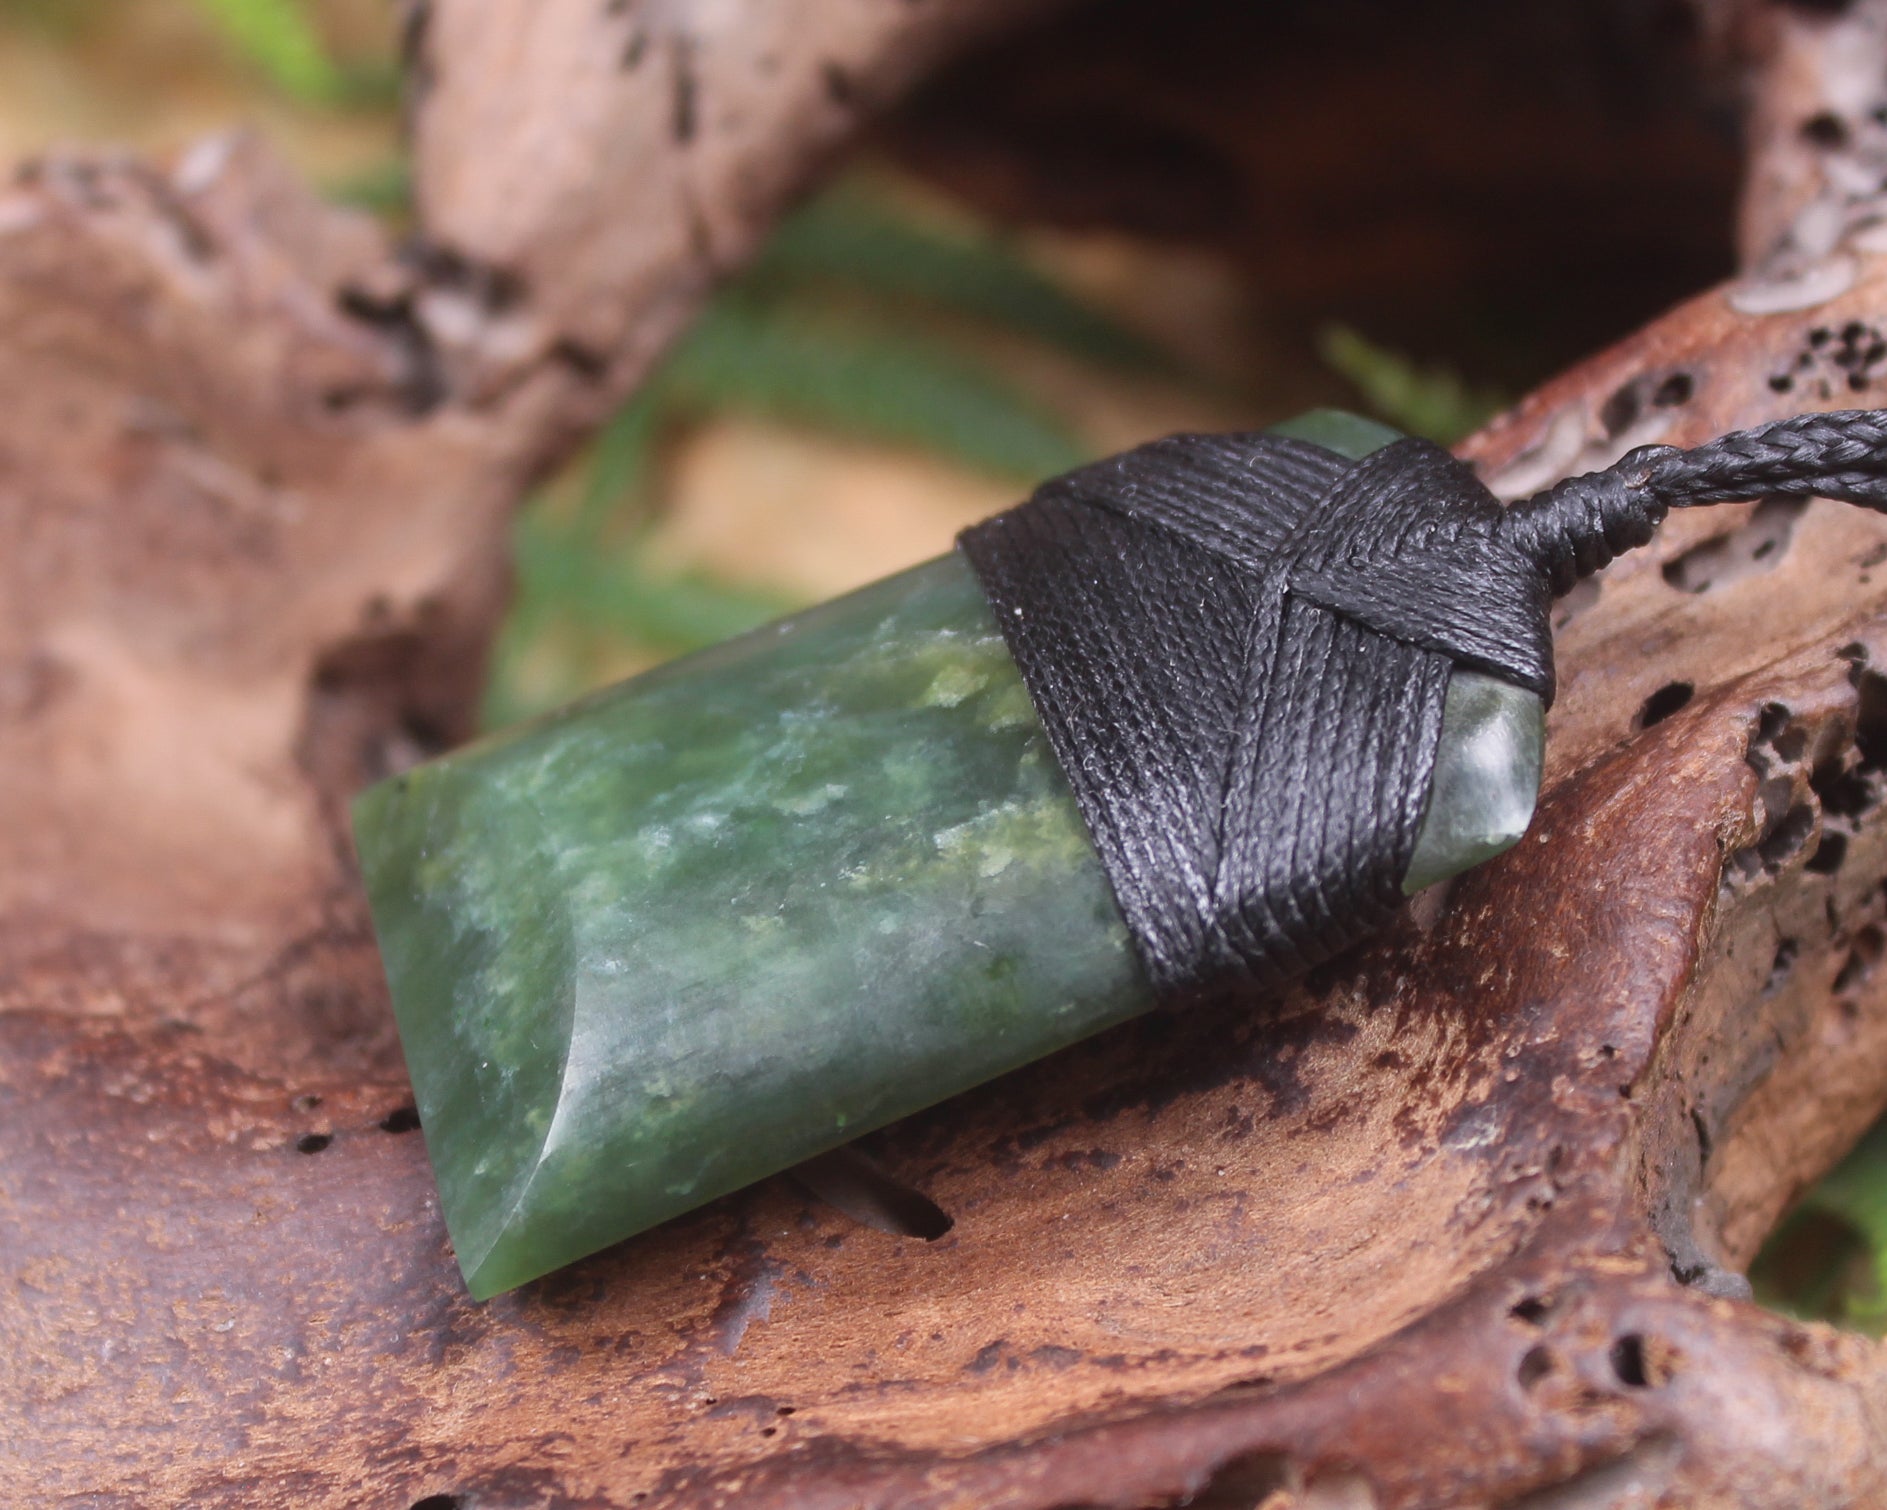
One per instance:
[(1828, 1259), (851, 238), (280, 38), (1432, 402), (852, 322)]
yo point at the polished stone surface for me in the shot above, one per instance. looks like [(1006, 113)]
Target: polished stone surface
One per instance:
[(1487, 778)]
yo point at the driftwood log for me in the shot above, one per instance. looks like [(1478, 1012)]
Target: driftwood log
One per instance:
[(1462, 1223)]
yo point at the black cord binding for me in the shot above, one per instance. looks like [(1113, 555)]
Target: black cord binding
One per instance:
[(1240, 644)]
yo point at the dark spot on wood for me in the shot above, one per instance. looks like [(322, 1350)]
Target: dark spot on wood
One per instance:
[(591, 366), (1829, 854), (1825, 129), (1842, 793), (1787, 838), (1663, 703), (1532, 1310), (1781, 382), (1864, 953), (421, 386), (990, 1356), (1618, 412), (1251, 1478), (313, 1142), (1676, 389), (686, 110), (1776, 734), (1629, 1362), (634, 50), (838, 86), (1643, 1362), (1535, 1364), (1779, 968), (402, 1119), (1870, 727)]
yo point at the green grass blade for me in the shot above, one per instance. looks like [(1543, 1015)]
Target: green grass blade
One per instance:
[(280, 39)]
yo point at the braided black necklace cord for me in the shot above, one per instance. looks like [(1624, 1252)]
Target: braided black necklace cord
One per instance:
[(1579, 525), (1240, 647)]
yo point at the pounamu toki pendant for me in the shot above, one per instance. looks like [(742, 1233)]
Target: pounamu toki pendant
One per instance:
[(709, 923)]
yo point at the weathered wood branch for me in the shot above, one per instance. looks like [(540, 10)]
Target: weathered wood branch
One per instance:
[(1462, 1223), (258, 465)]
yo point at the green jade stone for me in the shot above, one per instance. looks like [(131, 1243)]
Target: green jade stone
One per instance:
[(1487, 778), (719, 919)]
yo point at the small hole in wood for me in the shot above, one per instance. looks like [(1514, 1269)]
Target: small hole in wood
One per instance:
[(1664, 702), (1870, 730), (1532, 1309), (1775, 849), (1674, 390), (1642, 1362), (305, 1103), (1535, 1364), (313, 1142), (1844, 793), (1619, 411), (1783, 963), (1825, 129), (441, 1502), (402, 1119), (1628, 1361), (1829, 854)]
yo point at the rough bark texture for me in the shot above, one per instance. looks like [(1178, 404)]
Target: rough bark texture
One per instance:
[(1460, 1223)]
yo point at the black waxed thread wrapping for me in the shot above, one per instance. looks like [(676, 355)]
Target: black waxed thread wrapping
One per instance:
[(1240, 647)]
